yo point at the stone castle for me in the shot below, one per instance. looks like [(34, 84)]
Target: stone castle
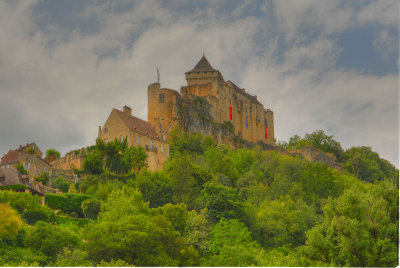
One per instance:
[(208, 101)]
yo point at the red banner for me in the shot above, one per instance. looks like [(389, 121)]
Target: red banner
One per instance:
[(266, 132), (230, 113)]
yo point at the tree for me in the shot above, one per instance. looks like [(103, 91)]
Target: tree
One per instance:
[(221, 202), (50, 152), (10, 222), (50, 239), (61, 183), (156, 187), (360, 228), (283, 222), (230, 244), (368, 166), (93, 162), (91, 208), (320, 140), (126, 230)]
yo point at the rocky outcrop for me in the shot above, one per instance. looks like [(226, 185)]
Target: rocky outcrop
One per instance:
[(314, 155)]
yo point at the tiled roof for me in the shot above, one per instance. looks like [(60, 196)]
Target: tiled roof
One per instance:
[(10, 157), (203, 66), (138, 125)]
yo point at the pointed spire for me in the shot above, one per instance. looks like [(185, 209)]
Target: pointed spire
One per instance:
[(203, 66)]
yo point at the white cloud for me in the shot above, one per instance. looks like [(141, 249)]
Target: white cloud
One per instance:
[(60, 85)]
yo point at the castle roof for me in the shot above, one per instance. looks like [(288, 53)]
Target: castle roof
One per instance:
[(138, 125), (241, 91), (203, 66)]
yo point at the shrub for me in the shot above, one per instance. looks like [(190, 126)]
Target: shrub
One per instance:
[(61, 183), (33, 215), (21, 168), (91, 208), (43, 178), (67, 202)]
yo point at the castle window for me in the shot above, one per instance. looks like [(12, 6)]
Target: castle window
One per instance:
[(105, 140), (162, 148), (161, 98), (122, 138), (151, 144), (138, 139)]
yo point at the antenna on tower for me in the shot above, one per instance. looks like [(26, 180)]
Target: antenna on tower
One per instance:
[(158, 76)]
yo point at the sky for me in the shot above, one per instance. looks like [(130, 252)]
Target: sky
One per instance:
[(330, 65)]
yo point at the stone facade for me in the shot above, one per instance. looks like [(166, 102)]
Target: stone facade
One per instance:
[(31, 160), (227, 104), (70, 161), (122, 125)]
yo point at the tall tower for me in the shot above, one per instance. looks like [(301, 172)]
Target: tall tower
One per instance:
[(202, 80)]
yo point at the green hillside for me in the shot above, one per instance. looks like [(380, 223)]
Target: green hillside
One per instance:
[(211, 205)]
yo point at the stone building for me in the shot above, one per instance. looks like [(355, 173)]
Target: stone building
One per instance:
[(226, 104), (122, 125), (71, 160), (31, 158)]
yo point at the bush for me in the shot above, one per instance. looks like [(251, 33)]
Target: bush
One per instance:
[(21, 168), (43, 178), (91, 208), (67, 203), (20, 201), (61, 183), (64, 220), (33, 215)]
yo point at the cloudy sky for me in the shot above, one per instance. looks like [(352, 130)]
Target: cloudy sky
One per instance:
[(330, 65)]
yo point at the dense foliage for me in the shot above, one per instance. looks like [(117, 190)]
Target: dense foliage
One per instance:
[(211, 205)]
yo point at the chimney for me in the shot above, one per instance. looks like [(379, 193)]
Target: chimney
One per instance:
[(20, 146), (127, 110)]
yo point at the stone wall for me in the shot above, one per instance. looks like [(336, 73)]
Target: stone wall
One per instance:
[(34, 164)]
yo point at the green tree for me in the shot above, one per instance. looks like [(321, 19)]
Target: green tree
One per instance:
[(138, 237), (10, 222), (220, 201), (231, 244), (91, 208), (156, 187), (72, 258), (320, 140), (283, 222), (93, 163), (368, 166), (50, 239), (50, 152), (360, 228), (61, 183)]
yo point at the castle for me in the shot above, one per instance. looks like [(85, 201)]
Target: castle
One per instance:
[(207, 104), (222, 102)]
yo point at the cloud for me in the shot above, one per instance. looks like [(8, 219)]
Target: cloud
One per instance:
[(60, 77)]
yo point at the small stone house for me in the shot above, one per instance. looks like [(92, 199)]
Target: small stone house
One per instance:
[(123, 125), (30, 157)]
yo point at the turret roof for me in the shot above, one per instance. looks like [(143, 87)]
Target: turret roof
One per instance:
[(203, 66)]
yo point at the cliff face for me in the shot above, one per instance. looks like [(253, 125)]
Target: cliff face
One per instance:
[(315, 155), (194, 116)]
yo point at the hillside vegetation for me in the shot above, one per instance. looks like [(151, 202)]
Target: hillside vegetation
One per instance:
[(211, 205)]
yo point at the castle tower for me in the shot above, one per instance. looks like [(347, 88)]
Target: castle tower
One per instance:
[(202, 80), (161, 107)]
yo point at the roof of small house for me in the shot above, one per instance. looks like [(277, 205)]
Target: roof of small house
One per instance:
[(10, 157), (138, 125)]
